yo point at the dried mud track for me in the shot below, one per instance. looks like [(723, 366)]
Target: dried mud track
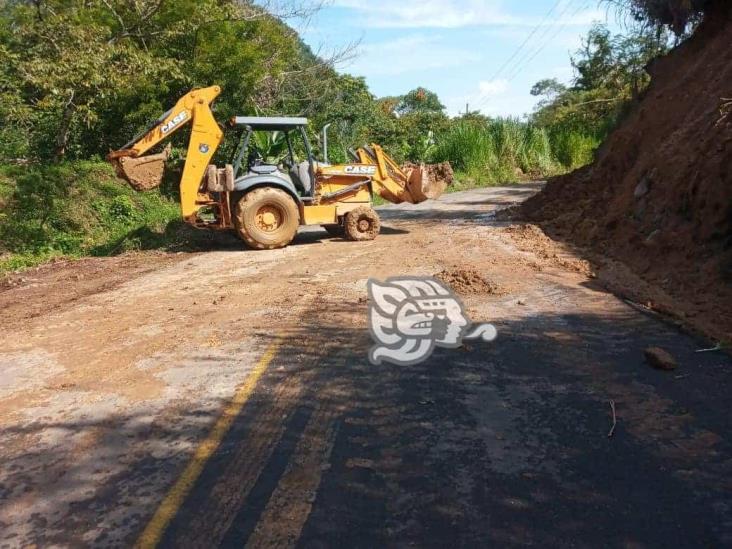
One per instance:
[(145, 408)]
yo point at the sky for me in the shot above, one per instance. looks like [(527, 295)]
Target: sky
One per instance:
[(486, 53)]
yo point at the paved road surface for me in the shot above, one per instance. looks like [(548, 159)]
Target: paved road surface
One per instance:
[(224, 398)]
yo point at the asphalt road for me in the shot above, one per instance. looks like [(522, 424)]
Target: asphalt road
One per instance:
[(267, 427)]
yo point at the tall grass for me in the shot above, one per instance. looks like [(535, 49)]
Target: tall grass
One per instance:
[(504, 150), (571, 148)]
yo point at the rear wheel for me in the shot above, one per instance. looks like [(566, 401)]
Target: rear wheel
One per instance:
[(266, 218), (362, 224)]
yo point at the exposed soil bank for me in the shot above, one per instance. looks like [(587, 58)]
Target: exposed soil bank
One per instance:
[(659, 195)]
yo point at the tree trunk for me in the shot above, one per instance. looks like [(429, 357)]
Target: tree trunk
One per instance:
[(64, 129)]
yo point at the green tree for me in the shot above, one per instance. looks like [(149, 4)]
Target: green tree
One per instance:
[(68, 64), (85, 75), (677, 14), (420, 100), (549, 87), (609, 72)]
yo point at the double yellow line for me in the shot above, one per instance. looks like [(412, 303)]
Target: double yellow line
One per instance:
[(175, 497)]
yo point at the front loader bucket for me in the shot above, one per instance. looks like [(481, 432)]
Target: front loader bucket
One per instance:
[(143, 173), (425, 182)]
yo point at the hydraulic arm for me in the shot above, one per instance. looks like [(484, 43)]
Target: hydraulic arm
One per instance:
[(145, 172)]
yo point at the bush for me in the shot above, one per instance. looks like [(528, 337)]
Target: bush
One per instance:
[(505, 150), (573, 149), (122, 208), (73, 209)]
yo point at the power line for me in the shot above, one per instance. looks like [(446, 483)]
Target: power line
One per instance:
[(544, 38), (530, 35), (529, 52), (520, 67)]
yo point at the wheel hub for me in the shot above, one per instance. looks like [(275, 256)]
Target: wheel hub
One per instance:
[(268, 218), (363, 225)]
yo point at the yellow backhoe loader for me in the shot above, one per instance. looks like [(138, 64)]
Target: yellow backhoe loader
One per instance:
[(266, 199)]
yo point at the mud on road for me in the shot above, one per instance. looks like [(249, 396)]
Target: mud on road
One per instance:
[(224, 398)]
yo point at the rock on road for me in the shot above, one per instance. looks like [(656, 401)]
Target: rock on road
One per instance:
[(223, 398)]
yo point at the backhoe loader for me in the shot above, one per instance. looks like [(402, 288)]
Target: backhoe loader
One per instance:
[(265, 199)]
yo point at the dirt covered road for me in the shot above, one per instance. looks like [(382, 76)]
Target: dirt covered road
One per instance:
[(224, 398)]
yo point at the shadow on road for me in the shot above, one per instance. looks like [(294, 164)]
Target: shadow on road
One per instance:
[(180, 237), (492, 444)]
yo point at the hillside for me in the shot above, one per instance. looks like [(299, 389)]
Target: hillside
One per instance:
[(659, 195)]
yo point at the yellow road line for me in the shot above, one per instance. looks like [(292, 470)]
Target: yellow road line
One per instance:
[(281, 522), (168, 508)]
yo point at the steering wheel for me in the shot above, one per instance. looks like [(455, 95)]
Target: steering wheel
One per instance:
[(255, 158)]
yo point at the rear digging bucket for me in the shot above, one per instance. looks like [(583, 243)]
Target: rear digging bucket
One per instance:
[(143, 173)]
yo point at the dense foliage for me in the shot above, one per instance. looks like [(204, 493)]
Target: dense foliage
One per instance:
[(610, 71), (77, 208), (78, 78)]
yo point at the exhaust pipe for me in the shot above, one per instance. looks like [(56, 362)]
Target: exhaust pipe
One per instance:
[(325, 142)]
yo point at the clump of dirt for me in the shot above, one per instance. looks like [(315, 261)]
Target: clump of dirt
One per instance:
[(660, 358), (468, 281), (441, 172), (528, 233), (659, 195), (428, 181), (144, 173), (438, 173)]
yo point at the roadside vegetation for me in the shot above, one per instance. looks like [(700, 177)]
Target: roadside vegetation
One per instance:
[(78, 79), (74, 209), (506, 150)]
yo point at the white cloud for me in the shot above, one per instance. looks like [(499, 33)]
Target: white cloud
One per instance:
[(415, 53), (457, 13), (492, 98), (428, 13), (492, 87)]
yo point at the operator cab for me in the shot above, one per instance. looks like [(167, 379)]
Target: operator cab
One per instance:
[(275, 147)]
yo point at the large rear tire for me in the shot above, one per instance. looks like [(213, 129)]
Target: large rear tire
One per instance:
[(362, 224), (266, 218)]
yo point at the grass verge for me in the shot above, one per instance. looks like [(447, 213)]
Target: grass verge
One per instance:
[(76, 209)]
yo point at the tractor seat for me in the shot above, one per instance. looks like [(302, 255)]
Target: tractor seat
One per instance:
[(300, 175), (264, 169)]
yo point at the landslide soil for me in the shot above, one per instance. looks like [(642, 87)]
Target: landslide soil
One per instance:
[(434, 180), (54, 285), (658, 199), (468, 281)]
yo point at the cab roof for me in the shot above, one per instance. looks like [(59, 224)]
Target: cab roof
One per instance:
[(271, 123)]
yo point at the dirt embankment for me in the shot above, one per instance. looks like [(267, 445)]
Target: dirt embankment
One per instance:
[(659, 195)]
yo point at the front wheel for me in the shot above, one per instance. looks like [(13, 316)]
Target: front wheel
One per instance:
[(362, 224), (266, 218)]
